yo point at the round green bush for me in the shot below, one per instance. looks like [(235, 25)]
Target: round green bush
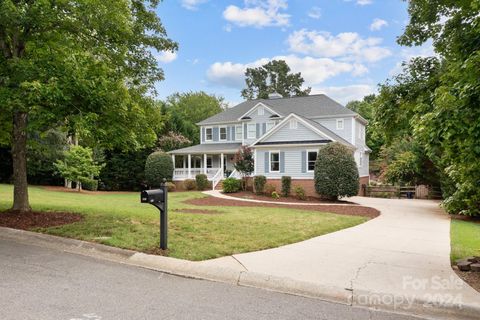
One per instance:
[(336, 173), (259, 183), (159, 166), (189, 184), (231, 185), (286, 185), (202, 181)]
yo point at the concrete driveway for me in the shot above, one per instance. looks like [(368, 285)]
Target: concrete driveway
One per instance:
[(401, 256)]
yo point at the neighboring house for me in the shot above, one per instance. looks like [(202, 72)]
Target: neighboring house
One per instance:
[(284, 133)]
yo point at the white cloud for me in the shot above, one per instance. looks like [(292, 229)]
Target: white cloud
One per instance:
[(192, 4), (166, 56), (315, 13), (346, 45), (378, 24), (258, 13), (345, 94), (361, 2), (313, 70)]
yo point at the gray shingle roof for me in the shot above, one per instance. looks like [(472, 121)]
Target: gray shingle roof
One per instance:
[(309, 106), (209, 148)]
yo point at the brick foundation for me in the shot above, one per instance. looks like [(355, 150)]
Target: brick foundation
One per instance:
[(309, 186)]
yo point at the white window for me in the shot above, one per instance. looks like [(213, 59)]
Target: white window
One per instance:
[(223, 133), (270, 125), (208, 134), (340, 124), (209, 162), (311, 159), (293, 124), (238, 132), (274, 161), (261, 111), (252, 131)]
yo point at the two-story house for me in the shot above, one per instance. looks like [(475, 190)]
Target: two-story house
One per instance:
[(284, 133)]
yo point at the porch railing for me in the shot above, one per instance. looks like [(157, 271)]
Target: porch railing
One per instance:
[(217, 178), (182, 173)]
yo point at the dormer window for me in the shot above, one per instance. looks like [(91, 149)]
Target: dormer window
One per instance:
[(261, 110), (340, 124), (293, 124)]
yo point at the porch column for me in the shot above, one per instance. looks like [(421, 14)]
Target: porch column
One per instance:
[(222, 164), (189, 175), (205, 163), (173, 160)]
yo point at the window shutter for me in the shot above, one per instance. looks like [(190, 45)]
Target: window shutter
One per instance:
[(228, 133), (233, 134), (304, 161), (215, 134), (267, 162), (245, 131), (203, 134), (282, 162), (258, 130), (264, 128)]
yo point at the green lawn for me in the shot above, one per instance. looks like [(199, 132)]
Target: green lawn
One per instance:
[(465, 238), (121, 220)]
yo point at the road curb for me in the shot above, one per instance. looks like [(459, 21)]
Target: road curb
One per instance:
[(193, 269)]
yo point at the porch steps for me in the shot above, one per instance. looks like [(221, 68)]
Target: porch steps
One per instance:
[(219, 185)]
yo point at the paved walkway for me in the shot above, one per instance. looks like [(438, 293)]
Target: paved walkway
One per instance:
[(403, 254)]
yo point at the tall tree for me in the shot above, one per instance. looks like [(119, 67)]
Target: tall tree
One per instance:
[(443, 109), (87, 64), (273, 77), (184, 110)]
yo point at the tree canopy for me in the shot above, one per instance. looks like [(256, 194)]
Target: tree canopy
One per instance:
[(273, 77), (61, 63)]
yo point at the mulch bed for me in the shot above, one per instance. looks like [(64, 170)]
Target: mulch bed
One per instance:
[(472, 278), (465, 218), (345, 210), (30, 220), (197, 211), (253, 196)]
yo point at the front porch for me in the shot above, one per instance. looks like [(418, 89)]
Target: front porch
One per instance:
[(214, 160)]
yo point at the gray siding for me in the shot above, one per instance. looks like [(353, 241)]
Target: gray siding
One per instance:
[(260, 123), (287, 134), (216, 134), (331, 124), (292, 163)]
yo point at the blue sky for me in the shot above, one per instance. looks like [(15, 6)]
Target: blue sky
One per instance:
[(343, 48)]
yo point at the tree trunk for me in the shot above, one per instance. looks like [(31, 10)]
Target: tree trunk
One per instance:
[(19, 156)]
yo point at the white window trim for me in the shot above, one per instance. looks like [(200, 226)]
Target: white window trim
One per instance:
[(342, 122), (260, 110), (293, 124), (272, 124), (248, 131), (306, 158), (206, 135), (237, 132), (220, 133), (270, 161)]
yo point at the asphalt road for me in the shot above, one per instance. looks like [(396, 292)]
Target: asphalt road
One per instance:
[(38, 283)]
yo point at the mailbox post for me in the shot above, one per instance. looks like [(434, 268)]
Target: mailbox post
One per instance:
[(159, 199)]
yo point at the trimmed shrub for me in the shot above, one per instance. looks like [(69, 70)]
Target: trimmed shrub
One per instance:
[(202, 181), (336, 173), (171, 187), (159, 166), (89, 184), (269, 188), (275, 195), (259, 183), (189, 184), (231, 185), (299, 193), (286, 185)]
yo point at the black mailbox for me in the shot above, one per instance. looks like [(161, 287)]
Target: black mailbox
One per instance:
[(152, 196), (159, 199)]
